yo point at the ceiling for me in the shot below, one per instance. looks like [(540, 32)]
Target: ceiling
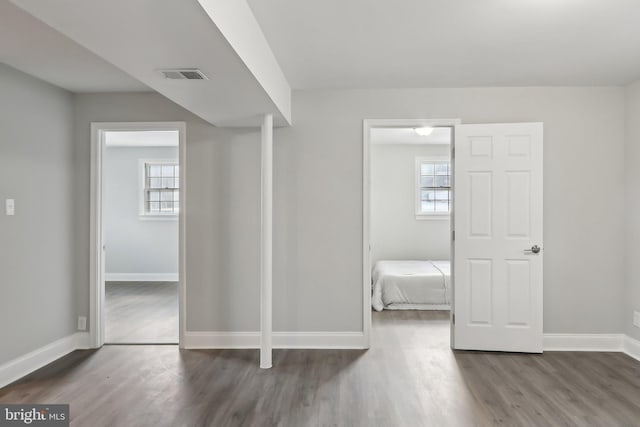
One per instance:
[(35, 48), (141, 37), (444, 43), (407, 135), (147, 138)]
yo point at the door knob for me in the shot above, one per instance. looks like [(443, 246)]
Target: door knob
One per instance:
[(534, 249)]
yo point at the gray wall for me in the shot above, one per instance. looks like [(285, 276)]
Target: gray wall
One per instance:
[(135, 244), (223, 209), (37, 298), (318, 198), (395, 232), (318, 202), (632, 186)]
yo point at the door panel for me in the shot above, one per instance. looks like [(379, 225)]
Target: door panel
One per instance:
[(497, 220)]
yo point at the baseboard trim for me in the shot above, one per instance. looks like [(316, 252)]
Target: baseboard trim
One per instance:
[(21, 366), (141, 277), (281, 340), (583, 342), (632, 347), (36, 359)]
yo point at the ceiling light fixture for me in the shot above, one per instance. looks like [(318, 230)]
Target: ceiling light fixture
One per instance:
[(423, 131)]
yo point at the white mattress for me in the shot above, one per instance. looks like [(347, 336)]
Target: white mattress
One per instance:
[(411, 285)]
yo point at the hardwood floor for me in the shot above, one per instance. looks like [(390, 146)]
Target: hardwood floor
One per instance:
[(141, 312), (409, 377)]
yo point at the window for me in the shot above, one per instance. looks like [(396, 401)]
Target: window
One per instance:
[(161, 195), (433, 187)]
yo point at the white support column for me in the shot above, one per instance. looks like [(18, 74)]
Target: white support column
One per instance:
[(266, 255)]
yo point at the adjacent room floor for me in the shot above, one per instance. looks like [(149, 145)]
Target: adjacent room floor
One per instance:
[(409, 377), (141, 312)]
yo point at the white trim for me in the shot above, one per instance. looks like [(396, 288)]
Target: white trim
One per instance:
[(96, 267), (266, 242), (367, 124), (24, 365), (141, 277), (632, 347), (583, 342), (281, 340)]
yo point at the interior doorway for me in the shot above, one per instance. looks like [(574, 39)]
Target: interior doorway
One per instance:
[(496, 241), (408, 221), (138, 233)]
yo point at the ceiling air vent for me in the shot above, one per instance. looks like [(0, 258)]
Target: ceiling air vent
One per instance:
[(183, 74)]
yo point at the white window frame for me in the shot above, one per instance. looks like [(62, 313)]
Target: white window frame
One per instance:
[(153, 216), (418, 205)]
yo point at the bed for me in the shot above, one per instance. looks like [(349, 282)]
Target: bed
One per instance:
[(411, 285)]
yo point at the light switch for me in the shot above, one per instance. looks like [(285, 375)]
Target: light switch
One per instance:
[(10, 206)]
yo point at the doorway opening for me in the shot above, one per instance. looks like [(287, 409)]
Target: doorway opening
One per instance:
[(138, 233), (407, 247)]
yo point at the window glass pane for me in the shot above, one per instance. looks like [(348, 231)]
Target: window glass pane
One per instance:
[(155, 183), (427, 195), (176, 183), (154, 206), (442, 195), (427, 181), (442, 181), (442, 169), (426, 169), (167, 182), (167, 196), (176, 195), (154, 170), (154, 196), (166, 206), (427, 206), (167, 170), (442, 206)]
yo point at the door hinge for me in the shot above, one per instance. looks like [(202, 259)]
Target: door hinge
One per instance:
[(453, 234), (453, 153), (453, 318)]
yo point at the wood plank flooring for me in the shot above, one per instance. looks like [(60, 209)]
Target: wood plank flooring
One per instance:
[(141, 312), (409, 377)]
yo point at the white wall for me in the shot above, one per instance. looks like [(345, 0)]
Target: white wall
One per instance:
[(318, 202), (395, 232), (37, 253), (136, 246), (318, 198), (632, 209), (223, 209)]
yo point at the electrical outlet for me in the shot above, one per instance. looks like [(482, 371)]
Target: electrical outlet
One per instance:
[(82, 323), (636, 318)]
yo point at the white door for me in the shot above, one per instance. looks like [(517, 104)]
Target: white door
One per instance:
[(498, 237)]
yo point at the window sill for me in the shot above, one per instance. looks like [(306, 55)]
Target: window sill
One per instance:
[(158, 217), (432, 217)]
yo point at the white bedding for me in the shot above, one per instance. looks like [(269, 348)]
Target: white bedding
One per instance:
[(411, 285)]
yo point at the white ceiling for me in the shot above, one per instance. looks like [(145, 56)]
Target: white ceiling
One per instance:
[(148, 138), (406, 135), (452, 43), (143, 36), (35, 48)]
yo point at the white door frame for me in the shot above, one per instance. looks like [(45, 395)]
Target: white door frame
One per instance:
[(96, 260), (367, 125)]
